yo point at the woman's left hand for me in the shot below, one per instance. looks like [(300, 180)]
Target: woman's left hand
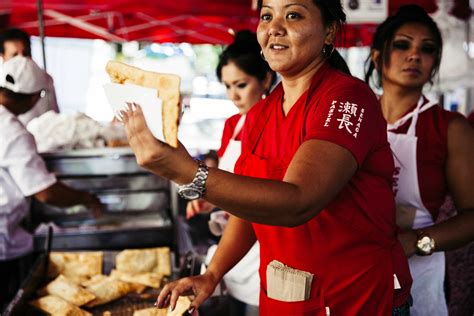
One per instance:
[(201, 286), (154, 155)]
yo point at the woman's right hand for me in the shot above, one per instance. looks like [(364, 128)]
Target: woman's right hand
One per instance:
[(201, 286), (198, 207), (156, 156)]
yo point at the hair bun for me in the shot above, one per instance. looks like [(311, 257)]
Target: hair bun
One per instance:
[(244, 35), (411, 10), (247, 40)]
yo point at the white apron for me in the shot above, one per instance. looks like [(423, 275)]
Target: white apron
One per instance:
[(428, 272), (242, 281), (233, 149)]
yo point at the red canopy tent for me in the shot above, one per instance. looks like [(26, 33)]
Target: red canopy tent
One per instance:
[(203, 21), (192, 21)]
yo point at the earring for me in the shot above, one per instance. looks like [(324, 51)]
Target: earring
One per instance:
[(328, 49), (261, 54)]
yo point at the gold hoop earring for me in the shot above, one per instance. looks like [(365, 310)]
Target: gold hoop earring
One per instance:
[(261, 54)]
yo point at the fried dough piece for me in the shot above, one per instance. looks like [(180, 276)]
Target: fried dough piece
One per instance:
[(94, 280), (107, 290), (144, 260), (152, 311), (137, 288), (56, 306), (134, 287), (150, 279), (168, 91), (182, 306), (164, 261), (136, 260), (76, 266), (68, 290)]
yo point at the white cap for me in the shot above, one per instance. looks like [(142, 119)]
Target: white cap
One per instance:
[(21, 74)]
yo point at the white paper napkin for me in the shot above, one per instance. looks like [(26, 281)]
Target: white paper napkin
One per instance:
[(119, 94)]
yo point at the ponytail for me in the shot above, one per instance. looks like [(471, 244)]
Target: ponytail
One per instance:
[(332, 11), (336, 61)]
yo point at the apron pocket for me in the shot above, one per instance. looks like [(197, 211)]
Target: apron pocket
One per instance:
[(312, 307)]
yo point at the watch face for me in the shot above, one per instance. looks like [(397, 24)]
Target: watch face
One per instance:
[(190, 193), (425, 244)]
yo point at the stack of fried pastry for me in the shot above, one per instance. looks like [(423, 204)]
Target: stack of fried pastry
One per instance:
[(79, 281)]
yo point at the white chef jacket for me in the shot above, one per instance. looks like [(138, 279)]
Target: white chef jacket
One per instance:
[(22, 173), (45, 104)]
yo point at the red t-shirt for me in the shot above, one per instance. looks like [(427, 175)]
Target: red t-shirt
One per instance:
[(229, 128), (324, 120), (344, 111), (432, 153)]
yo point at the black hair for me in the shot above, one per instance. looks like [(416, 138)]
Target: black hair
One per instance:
[(244, 52), (211, 154), (331, 11), (385, 33), (15, 35)]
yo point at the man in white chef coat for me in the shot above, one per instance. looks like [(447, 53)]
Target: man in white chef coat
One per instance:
[(23, 173), (14, 42)]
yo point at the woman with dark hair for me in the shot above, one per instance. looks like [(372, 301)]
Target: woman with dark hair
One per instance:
[(247, 78), (433, 151), (312, 185)]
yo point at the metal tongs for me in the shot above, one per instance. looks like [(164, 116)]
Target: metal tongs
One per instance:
[(47, 248)]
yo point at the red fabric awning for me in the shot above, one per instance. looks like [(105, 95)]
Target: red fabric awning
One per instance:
[(192, 21), (203, 21)]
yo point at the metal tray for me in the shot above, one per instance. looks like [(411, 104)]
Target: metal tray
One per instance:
[(104, 237), (97, 161), (113, 183), (114, 201), (122, 307)]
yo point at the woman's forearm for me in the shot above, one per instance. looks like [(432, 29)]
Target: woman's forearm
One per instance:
[(318, 171), (237, 240), (61, 195), (309, 184), (256, 200), (454, 232)]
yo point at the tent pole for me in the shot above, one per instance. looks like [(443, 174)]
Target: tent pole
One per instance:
[(39, 4)]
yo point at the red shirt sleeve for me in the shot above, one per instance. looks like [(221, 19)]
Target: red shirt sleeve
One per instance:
[(349, 115), (229, 128)]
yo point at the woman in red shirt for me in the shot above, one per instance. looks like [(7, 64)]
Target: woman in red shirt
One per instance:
[(433, 150), (313, 183)]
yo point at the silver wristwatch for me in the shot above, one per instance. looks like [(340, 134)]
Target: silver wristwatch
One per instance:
[(196, 189)]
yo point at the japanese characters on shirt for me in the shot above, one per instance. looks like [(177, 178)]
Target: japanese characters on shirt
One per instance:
[(347, 115)]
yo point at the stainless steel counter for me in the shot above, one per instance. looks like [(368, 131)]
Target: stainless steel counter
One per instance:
[(139, 206)]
